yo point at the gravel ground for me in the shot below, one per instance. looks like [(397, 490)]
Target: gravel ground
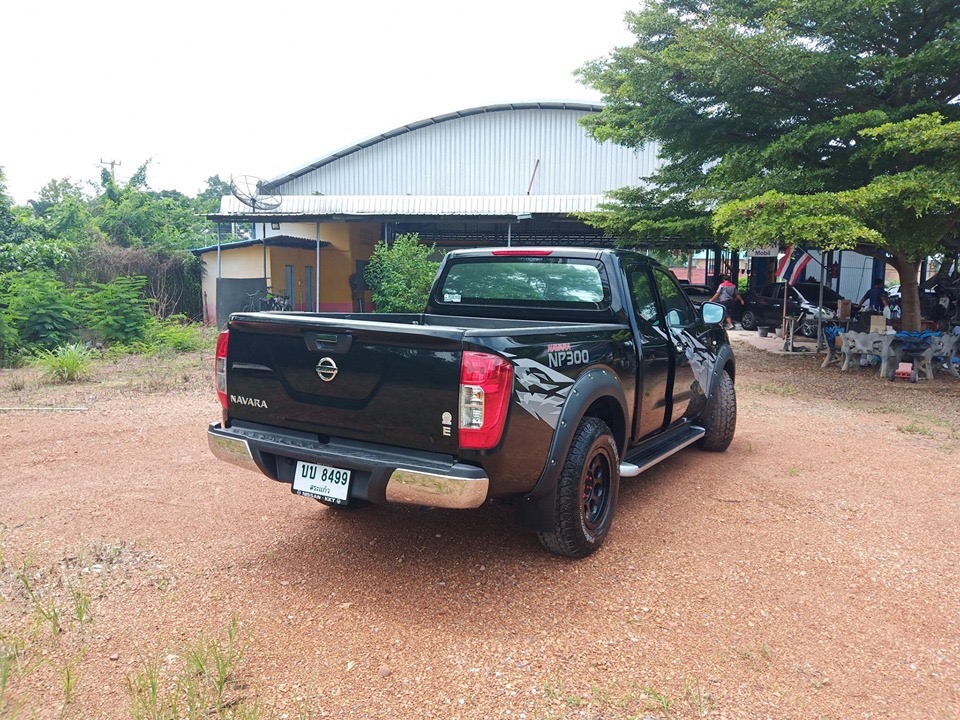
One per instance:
[(809, 572)]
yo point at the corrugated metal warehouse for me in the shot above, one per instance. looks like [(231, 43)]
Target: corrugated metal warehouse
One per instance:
[(518, 149)]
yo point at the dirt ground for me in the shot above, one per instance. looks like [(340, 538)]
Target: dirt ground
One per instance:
[(812, 571)]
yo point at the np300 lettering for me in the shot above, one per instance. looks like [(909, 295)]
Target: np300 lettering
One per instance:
[(488, 394), (573, 357)]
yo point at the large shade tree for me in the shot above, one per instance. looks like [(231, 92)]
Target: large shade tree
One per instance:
[(799, 113)]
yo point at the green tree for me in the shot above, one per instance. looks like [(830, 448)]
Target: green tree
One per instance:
[(17, 224), (208, 200), (134, 216), (400, 275), (747, 97), (910, 214)]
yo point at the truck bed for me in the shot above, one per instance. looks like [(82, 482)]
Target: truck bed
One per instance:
[(383, 366)]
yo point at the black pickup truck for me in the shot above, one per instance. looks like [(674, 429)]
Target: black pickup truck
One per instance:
[(537, 376)]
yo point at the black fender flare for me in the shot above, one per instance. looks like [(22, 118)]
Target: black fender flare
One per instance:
[(536, 509), (725, 362)]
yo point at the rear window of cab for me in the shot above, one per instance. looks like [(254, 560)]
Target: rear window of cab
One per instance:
[(537, 282)]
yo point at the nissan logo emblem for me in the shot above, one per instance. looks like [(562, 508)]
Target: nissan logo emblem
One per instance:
[(327, 369)]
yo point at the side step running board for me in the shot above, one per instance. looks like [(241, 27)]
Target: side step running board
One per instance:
[(646, 456)]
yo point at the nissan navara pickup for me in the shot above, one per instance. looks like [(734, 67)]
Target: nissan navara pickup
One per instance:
[(535, 376)]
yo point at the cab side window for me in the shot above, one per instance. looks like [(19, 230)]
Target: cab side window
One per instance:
[(676, 305), (644, 299)]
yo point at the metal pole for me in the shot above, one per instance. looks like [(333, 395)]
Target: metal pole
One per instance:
[(823, 273), (509, 225), (316, 295)]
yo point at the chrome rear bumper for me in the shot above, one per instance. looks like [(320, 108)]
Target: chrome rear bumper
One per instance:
[(410, 487), (388, 475), (235, 451)]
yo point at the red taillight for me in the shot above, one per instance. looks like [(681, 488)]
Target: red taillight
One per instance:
[(486, 382), (221, 367)]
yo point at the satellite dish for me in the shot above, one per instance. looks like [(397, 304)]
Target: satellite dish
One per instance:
[(255, 193)]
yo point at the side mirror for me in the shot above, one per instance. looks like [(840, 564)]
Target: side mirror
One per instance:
[(713, 313)]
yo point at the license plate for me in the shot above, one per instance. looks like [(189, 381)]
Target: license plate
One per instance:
[(322, 482)]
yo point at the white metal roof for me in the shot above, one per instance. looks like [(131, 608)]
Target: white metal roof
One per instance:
[(410, 127), (537, 148), (358, 206)]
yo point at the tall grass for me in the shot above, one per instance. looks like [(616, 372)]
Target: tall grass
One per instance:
[(67, 363)]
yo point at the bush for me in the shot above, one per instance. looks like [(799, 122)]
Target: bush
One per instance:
[(40, 310), (173, 277), (176, 333), (400, 275), (68, 363), (117, 311), (9, 341)]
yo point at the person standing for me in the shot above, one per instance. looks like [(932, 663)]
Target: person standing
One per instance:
[(728, 296), (876, 297)]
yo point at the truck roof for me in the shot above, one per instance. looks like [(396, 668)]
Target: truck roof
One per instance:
[(541, 251)]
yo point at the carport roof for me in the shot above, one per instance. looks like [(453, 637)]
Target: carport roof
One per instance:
[(392, 207), (272, 241)]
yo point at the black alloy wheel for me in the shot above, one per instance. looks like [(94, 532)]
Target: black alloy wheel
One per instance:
[(596, 490), (586, 492)]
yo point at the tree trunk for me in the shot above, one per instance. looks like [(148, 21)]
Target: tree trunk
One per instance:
[(909, 291)]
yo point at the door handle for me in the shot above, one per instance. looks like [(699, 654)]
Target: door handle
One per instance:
[(327, 342)]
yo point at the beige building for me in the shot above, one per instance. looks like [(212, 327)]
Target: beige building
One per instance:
[(238, 274)]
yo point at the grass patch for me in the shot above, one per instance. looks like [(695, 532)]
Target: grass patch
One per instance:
[(885, 409), (208, 686), (81, 602), (781, 389), (612, 700), (699, 700), (12, 651), (915, 428), (65, 364), (46, 607)]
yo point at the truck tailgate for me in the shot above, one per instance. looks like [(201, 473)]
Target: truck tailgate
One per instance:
[(387, 383)]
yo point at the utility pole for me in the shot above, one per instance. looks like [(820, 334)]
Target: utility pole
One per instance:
[(111, 163)]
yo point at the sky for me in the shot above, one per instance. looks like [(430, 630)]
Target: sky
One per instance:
[(244, 88)]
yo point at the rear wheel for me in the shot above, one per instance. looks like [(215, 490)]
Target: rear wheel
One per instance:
[(721, 421), (748, 320), (586, 492)]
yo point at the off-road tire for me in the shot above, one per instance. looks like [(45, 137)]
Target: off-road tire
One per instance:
[(721, 422), (586, 492), (748, 320)]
